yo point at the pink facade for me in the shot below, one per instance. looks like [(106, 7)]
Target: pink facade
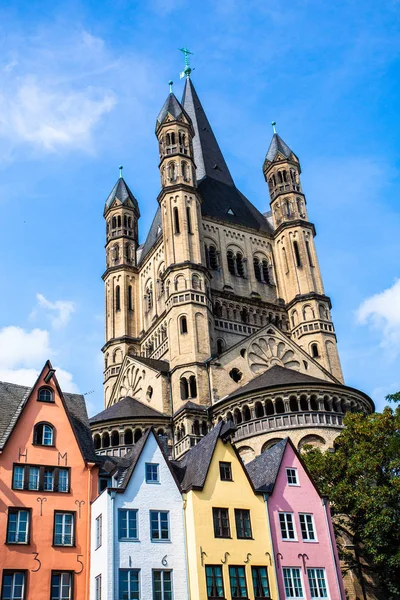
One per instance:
[(297, 512)]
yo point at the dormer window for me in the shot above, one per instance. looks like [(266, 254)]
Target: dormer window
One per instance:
[(45, 395), (43, 434)]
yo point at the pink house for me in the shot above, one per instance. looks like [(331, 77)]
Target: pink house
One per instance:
[(306, 558)]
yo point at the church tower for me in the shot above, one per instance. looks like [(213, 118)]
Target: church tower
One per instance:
[(121, 213), (299, 276), (186, 280)]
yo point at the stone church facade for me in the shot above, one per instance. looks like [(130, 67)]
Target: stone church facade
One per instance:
[(221, 313)]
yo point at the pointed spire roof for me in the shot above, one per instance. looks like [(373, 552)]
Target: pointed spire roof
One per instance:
[(171, 106), (122, 193), (207, 154), (278, 145)]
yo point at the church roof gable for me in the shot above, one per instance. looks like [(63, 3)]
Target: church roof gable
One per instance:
[(277, 146), (125, 409)]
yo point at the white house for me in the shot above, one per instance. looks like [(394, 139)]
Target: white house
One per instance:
[(138, 546)]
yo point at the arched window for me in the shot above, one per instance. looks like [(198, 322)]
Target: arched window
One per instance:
[(176, 220), (105, 440), (237, 416), (183, 325), (279, 406), (297, 253), (114, 438), (196, 428), (231, 262), (149, 393), (125, 222), (97, 441), (196, 282), (217, 309), (240, 264), (45, 395), (119, 221), (113, 223), (259, 410), (130, 303), (314, 351), (284, 176), (193, 386), (280, 177), (128, 437), (293, 175), (137, 435), (244, 315), (204, 428), (117, 298), (294, 407), (287, 206), (220, 346), (269, 408), (229, 416), (188, 218), (212, 258), (184, 388), (171, 171), (257, 268), (185, 171), (265, 272), (246, 413), (43, 434)]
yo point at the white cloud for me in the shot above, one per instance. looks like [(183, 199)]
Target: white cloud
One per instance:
[(23, 354), (60, 311), (382, 311)]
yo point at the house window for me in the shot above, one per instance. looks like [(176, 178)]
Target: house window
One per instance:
[(18, 478), (99, 531), (225, 471), (162, 585), (18, 526), (152, 473), (237, 578), (243, 523), (13, 587), (63, 529), (214, 581), (127, 524), (291, 475), (33, 481), (287, 526), (260, 582), (48, 479), (307, 527), (292, 581), (129, 588), (159, 525), (43, 435), (63, 480), (317, 583), (97, 587), (45, 395), (61, 585), (221, 523)]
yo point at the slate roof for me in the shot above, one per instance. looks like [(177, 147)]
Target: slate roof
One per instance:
[(277, 145), (158, 365), (122, 192), (191, 471), (154, 233), (264, 469), (131, 459), (189, 405), (127, 408), (12, 400), (276, 376), (171, 106)]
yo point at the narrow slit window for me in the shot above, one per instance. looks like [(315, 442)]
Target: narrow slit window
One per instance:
[(117, 298), (309, 255), (189, 222), (297, 253), (130, 304), (176, 220)]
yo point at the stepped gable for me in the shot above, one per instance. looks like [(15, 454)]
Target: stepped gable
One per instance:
[(191, 471), (13, 399), (126, 408), (264, 469)]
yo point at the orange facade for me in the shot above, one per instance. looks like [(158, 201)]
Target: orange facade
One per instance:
[(47, 482)]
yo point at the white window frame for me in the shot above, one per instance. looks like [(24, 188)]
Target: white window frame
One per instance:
[(160, 540), (307, 539), (97, 586), (325, 581), (63, 575), (291, 569), (13, 574), (37, 471), (66, 490), (99, 531), (63, 528), (297, 484), (286, 514), (152, 481), (17, 532), (19, 469)]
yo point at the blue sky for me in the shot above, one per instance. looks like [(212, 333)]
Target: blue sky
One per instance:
[(81, 83)]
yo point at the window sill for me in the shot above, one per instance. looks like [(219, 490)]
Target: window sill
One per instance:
[(310, 541), (135, 540), (245, 539), (160, 541), (17, 543), (153, 482), (290, 541)]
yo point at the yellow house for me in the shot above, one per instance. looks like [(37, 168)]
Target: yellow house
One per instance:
[(229, 543)]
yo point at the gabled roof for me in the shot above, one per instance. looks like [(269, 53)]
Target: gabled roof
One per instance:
[(208, 157), (277, 376), (173, 107), (157, 365), (13, 399), (154, 234), (126, 408), (264, 469), (191, 471), (189, 405), (122, 193), (276, 146)]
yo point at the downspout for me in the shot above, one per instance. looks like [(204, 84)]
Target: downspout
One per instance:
[(266, 498), (325, 502), (88, 527), (184, 504), (112, 578)]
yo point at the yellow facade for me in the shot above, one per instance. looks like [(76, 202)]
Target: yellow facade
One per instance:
[(205, 549)]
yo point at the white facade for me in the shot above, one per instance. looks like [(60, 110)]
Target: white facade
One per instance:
[(146, 555)]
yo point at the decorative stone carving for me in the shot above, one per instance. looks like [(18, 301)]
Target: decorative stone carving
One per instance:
[(267, 352), (131, 383)]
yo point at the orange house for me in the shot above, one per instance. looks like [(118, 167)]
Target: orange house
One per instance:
[(48, 478)]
